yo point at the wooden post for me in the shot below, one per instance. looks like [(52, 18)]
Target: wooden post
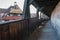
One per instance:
[(26, 10), (37, 13)]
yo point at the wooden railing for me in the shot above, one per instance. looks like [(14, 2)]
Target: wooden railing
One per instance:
[(18, 30)]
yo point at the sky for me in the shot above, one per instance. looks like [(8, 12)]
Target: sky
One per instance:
[(7, 3)]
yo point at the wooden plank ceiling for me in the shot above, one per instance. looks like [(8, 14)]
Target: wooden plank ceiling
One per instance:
[(48, 5)]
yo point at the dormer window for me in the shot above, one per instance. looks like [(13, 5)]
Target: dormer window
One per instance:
[(11, 8)]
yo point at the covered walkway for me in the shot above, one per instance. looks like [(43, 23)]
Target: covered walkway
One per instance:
[(32, 28)]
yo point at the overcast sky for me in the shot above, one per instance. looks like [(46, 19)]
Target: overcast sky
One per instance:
[(8, 3)]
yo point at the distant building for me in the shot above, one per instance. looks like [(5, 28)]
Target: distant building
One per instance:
[(12, 13), (12, 10), (3, 12)]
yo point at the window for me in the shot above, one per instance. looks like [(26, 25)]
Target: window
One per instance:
[(33, 11)]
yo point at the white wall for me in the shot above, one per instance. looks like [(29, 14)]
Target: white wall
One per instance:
[(55, 19)]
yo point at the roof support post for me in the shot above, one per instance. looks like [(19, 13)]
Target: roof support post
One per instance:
[(37, 13), (26, 10)]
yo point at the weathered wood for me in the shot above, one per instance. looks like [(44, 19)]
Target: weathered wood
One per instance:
[(4, 32), (19, 30)]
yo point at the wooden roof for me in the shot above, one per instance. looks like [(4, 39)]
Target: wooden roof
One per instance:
[(48, 5), (3, 10)]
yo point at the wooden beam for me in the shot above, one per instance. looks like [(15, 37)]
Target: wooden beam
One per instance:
[(26, 9)]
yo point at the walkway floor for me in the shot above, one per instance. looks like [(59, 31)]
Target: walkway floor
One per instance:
[(47, 33)]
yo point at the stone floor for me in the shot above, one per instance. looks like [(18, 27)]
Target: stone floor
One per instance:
[(47, 33)]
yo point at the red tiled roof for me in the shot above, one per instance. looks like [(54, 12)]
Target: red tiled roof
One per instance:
[(12, 18)]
